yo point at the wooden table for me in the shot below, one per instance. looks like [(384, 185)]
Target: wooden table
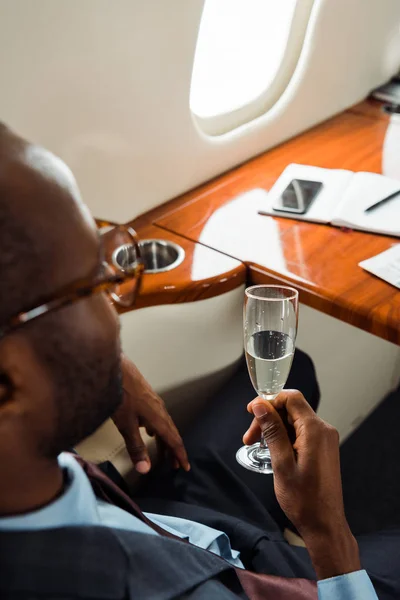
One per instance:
[(320, 260), (203, 273)]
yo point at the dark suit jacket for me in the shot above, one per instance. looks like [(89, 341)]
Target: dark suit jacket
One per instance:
[(103, 563), (109, 564)]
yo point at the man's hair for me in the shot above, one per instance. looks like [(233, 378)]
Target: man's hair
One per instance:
[(23, 276)]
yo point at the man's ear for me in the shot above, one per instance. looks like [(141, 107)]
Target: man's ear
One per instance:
[(27, 412), (15, 359), (8, 359), (6, 388), (22, 376)]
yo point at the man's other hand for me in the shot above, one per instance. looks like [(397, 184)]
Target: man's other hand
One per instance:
[(307, 478), (142, 407)]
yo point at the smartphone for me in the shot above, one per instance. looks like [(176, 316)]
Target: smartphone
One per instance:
[(298, 196)]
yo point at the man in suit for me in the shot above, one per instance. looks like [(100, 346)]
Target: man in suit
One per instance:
[(68, 532)]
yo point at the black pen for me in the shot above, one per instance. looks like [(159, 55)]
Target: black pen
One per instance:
[(383, 201)]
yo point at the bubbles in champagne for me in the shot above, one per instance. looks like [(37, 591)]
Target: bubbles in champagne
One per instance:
[(269, 356)]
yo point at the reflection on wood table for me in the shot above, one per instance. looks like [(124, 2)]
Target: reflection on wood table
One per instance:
[(321, 261)]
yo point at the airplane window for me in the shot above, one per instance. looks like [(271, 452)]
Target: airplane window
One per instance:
[(240, 48)]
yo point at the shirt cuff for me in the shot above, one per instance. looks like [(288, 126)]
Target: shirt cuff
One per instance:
[(353, 586)]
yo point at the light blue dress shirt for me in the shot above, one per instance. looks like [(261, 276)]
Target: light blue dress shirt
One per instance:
[(79, 506)]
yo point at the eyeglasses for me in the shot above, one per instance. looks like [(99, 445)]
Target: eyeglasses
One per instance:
[(120, 277)]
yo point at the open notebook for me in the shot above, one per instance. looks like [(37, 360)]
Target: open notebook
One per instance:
[(343, 199)]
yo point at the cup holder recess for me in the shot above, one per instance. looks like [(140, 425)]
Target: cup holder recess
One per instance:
[(158, 255)]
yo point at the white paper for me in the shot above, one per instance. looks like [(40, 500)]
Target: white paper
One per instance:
[(364, 190), (385, 265), (334, 182)]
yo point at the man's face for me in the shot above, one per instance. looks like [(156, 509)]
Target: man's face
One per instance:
[(69, 380), (80, 349), (81, 355)]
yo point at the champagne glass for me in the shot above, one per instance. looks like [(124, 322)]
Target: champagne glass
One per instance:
[(270, 325)]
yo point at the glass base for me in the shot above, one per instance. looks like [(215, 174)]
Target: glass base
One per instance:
[(250, 458)]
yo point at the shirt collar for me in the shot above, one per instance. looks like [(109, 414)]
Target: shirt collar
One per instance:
[(76, 506)]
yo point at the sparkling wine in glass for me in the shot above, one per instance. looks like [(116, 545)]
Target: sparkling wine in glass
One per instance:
[(270, 325)]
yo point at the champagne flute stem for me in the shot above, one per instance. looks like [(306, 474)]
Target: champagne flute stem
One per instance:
[(263, 453), (263, 443)]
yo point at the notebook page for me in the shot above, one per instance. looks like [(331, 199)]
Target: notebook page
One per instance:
[(364, 190)]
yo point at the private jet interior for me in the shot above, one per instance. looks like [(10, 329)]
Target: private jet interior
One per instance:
[(194, 121)]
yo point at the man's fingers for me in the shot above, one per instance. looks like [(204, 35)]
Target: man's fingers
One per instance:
[(180, 454), (149, 431), (294, 403), (182, 457), (253, 433), (275, 435), (173, 441), (137, 450)]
